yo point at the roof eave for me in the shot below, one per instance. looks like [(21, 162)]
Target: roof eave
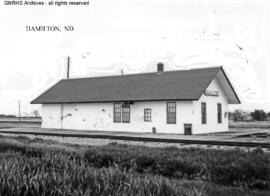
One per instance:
[(235, 94), (111, 101)]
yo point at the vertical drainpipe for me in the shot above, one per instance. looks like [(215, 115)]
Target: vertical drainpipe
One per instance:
[(61, 115), (62, 105)]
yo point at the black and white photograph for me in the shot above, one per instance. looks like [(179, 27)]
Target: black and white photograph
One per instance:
[(135, 97)]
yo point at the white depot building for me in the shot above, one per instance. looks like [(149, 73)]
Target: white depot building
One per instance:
[(185, 102)]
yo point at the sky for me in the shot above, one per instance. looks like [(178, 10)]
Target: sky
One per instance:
[(133, 35)]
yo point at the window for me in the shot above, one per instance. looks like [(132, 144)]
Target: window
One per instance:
[(125, 113), (119, 109), (147, 115), (203, 110), (171, 112), (117, 112), (219, 112)]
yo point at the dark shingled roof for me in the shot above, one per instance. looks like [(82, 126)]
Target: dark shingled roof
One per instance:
[(171, 85)]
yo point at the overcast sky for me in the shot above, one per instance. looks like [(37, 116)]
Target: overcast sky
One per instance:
[(133, 36)]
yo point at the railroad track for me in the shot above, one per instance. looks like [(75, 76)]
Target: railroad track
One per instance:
[(146, 139)]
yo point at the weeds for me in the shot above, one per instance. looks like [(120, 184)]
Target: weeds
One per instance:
[(130, 170)]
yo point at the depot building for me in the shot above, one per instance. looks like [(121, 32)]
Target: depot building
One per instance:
[(189, 101)]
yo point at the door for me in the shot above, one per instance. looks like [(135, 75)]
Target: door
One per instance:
[(188, 129)]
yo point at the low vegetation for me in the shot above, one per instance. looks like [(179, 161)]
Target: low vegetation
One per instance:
[(40, 167), (231, 167), (256, 115)]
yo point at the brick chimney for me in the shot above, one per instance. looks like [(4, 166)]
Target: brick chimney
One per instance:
[(160, 67)]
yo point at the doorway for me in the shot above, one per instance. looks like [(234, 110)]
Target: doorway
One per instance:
[(188, 129)]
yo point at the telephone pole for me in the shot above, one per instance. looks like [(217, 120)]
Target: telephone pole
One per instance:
[(68, 64), (19, 104)]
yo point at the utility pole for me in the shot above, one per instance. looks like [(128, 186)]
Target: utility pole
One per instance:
[(68, 64), (19, 110)]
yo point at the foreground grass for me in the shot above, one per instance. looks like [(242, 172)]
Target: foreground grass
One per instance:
[(39, 167), (226, 167)]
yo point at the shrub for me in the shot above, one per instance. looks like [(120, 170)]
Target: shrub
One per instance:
[(144, 163), (99, 159), (240, 168), (179, 168)]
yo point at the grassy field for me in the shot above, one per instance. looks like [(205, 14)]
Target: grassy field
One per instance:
[(10, 122), (45, 167), (255, 124)]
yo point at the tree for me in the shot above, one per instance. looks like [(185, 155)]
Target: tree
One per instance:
[(35, 113), (238, 115), (259, 115)]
